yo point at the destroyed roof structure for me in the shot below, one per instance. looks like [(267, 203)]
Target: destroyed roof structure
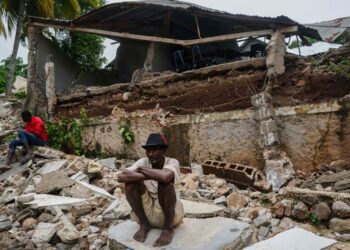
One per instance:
[(331, 30), (158, 36)]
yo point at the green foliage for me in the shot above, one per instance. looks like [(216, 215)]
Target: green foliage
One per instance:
[(65, 134), (294, 44), (20, 70), (86, 49), (127, 135), (342, 68), (313, 218), (20, 95)]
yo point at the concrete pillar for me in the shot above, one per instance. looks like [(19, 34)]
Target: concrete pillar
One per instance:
[(278, 167), (50, 88), (276, 50)]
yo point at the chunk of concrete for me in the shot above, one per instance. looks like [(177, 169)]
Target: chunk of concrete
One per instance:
[(200, 210), (118, 209), (5, 223), (43, 233), (294, 239), (192, 234), (47, 200), (52, 166), (16, 169), (53, 181), (278, 172), (97, 190), (108, 163), (67, 233), (8, 195)]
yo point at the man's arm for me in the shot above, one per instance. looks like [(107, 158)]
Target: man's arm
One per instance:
[(161, 175), (128, 176)]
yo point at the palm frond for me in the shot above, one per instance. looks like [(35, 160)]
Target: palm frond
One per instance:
[(46, 8), (70, 8)]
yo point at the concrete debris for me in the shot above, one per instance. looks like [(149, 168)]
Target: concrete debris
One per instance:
[(118, 209), (46, 200), (93, 168), (200, 210), (340, 225), (53, 182), (193, 232), (43, 233), (67, 231), (341, 209), (108, 163), (292, 239), (52, 166), (5, 223)]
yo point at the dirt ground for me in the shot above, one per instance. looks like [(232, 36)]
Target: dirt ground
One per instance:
[(302, 83)]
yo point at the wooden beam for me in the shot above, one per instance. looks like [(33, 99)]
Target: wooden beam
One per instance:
[(223, 38), (184, 43)]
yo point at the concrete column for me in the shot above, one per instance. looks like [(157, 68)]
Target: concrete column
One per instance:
[(50, 88), (276, 50)]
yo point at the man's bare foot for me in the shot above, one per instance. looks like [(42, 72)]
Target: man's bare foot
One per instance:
[(4, 167), (165, 237), (141, 234)]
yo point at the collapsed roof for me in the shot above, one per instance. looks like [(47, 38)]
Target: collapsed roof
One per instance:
[(331, 30), (147, 18)]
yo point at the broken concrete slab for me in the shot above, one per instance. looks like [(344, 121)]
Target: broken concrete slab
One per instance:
[(96, 189), (200, 210), (43, 233), (80, 176), (67, 233), (332, 178), (108, 163), (47, 200), (53, 181), (16, 169), (118, 209), (8, 195), (5, 223), (294, 239), (192, 234), (52, 166), (278, 172)]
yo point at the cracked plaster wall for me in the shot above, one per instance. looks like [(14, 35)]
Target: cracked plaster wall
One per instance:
[(309, 139)]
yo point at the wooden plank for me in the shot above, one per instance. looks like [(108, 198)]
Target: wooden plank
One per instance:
[(185, 43), (223, 38), (113, 34)]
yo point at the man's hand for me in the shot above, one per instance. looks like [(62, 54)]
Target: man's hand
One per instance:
[(161, 175)]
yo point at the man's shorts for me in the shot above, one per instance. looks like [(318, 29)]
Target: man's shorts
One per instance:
[(154, 212)]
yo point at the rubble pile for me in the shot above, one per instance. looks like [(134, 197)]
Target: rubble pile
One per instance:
[(61, 201)]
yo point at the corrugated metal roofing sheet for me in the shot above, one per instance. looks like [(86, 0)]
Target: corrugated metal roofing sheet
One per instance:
[(314, 49), (146, 17), (331, 30)]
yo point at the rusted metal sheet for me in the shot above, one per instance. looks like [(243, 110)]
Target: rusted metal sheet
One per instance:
[(331, 30), (240, 175)]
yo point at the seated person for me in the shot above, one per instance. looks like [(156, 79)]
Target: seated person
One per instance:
[(34, 133), (152, 190)]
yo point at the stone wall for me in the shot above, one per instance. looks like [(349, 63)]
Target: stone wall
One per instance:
[(310, 134)]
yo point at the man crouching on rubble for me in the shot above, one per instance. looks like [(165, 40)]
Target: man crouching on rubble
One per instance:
[(152, 190), (34, 133)]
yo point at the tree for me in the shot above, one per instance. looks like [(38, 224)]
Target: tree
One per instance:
[(20, 70), (22, 9)]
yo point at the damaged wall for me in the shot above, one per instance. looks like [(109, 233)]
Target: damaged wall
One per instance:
[(68, 73), (311, 135)]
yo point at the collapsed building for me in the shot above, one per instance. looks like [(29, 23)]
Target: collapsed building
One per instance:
[(178, 70), (253, 116)]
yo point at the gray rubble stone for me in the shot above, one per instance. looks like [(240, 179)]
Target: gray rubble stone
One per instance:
[(67, 233), (263, 232), (52, 166), (5, 223), (263, 219), (210, 233), (332, 178), (108, 163), (341, 209), (322, 211), (339, 225), (300, 211), (53, 181), (342, 185), (43, 233)]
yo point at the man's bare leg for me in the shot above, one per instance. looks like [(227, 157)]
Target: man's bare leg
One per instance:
[(133, 192), (167, 200), (7, 165)]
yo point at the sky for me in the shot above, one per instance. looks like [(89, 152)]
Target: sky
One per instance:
[(302, 11)]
